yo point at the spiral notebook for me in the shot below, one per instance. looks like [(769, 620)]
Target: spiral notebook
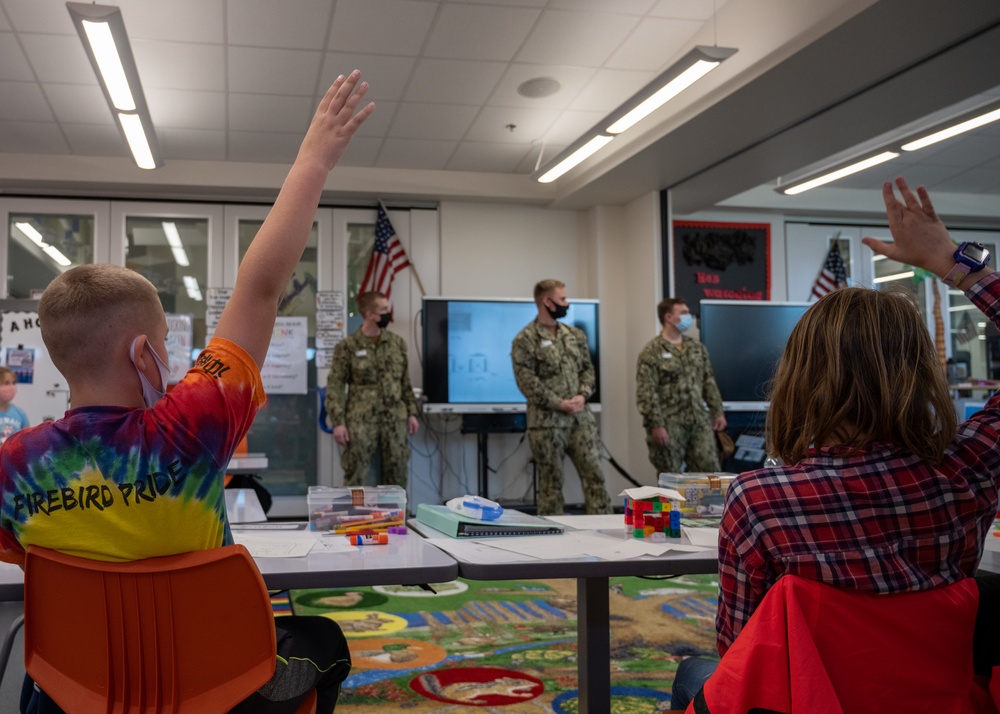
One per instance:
[(511, 523)]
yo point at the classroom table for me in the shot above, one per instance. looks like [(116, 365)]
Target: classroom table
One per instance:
[(593, 601)]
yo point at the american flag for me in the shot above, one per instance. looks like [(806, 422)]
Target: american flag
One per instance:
[(388, 258), (832, 276)]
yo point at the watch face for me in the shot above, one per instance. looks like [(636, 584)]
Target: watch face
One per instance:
[(975, 252)]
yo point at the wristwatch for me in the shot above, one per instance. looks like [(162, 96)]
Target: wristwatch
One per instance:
[(969, 257)]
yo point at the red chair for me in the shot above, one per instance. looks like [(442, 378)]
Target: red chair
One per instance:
[(183, 633), (817, 649)]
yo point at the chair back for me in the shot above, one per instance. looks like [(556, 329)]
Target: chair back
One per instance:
[(811, 647), (182, 633)]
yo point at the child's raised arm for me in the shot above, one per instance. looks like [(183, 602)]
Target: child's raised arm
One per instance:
[(248, 319)]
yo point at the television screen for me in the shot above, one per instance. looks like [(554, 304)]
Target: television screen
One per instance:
[(745, 339), (467, 342)]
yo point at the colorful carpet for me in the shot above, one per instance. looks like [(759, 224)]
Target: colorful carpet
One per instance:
[(509, 646)]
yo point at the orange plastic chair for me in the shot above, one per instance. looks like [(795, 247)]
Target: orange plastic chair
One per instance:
[(183, 633)]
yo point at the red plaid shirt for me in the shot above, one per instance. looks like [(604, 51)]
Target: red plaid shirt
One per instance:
[(881, 521)]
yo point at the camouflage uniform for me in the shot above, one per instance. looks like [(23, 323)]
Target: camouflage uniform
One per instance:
[(673, 385), (550, 368), (368, 390)]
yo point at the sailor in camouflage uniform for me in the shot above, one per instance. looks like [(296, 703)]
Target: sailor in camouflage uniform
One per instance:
[(677, 396), (369, 400), (554, 372)]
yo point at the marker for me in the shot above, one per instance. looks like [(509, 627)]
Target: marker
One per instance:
[(372, 539)]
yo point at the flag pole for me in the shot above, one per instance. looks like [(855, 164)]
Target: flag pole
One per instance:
[(413, 267)]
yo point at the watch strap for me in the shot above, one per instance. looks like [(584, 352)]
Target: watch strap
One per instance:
[(956, 275)]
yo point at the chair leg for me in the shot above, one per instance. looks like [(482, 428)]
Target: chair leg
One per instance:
[(8, 644)]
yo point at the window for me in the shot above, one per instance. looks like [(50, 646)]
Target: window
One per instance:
[(42, 246)]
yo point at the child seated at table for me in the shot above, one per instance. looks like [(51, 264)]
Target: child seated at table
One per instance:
[(880, 491), (131, 472)]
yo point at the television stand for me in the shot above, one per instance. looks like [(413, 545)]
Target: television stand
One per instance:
[(482, 425)]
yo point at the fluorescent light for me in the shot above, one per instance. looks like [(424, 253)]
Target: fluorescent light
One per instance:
[(840, 173), (109, 64), (878, 256), (679, 76), (688, 77), (191, 285), (894, 276), (102, 30), (951, 131), (959, 308), (585, 151), (174, 241), (37, 238)]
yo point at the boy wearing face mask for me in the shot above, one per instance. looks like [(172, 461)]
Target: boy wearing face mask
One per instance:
[(674, 383), (553, 370), (369, 400), (12, 417), (131, 473)]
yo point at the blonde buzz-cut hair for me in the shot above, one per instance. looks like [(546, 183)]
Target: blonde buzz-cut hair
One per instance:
[(860, 368), (89, 310), (544, 287), (366, 301)]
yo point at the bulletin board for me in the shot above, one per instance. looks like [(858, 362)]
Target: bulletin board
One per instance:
[(721, 261)]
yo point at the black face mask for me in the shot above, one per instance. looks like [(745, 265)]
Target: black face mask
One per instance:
[(559, 312), (384, 320)]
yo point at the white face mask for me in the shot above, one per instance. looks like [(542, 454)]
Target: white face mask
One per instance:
[(150, 394)]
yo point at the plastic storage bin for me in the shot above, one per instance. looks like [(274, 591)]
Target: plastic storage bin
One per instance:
[(370, 509), (704, 493)]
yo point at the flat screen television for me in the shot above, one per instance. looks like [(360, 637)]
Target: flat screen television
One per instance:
[(745, 339), (466, 350)]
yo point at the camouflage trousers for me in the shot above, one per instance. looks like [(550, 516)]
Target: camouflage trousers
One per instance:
[(691, 444), (388, 439), (579, 442)]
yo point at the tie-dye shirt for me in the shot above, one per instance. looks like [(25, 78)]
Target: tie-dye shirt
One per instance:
[(118, 483)]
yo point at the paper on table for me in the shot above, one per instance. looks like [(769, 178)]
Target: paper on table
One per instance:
[(705, 537), (267, 546), (477, 551), (555, 547), (604, 522)]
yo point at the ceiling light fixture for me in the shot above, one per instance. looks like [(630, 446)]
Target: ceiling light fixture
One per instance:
[(102, 30), (192, 288), (174, 241), (682, 74), (50, 250), (954, 130), (825, 178)]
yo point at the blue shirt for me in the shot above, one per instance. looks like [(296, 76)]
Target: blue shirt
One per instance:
[(11, 421)]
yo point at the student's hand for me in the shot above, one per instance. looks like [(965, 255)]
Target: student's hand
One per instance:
[(340, 435), (412, 425), (335, 121), (719, 424), (659, 435), (920, 238)]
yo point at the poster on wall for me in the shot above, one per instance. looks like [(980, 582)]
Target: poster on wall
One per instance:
[(180, 341), (721, 261), (284, 370), (21, 361)]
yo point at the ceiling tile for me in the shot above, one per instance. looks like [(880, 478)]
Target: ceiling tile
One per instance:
[(498, 158), (48, 16), (77, 103), (58, 58), (254, 70), (965, 150), (260, 112), (377, 124), (415, 120), (179, 109), (180, 65), (529, 125), (653, 42), (571, 79), (975, 180), (509, 3), (303, 23), (624, 7), (531, 161), (13, 64), (570, 126), (609, 89), (32, 137), (398, 27), (362, 151), (687, 9), (96, 140), (191, 144), (261, 147), (453, 81), (415, 154), (576, 38), (386, 75), (23, 101), (171, 21), (470, 32)]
